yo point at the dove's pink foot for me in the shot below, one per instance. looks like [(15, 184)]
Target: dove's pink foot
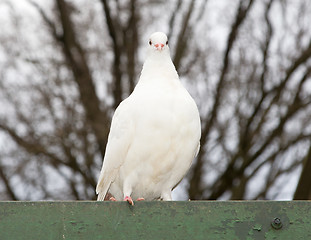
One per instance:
[(112, 199), (129, 200), (140, 199)]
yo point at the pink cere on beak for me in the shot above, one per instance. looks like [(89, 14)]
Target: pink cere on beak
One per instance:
[(159, 46)]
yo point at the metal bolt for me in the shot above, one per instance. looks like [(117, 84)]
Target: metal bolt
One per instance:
[(276, 223)]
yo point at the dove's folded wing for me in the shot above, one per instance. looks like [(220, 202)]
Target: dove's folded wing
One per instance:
[(119, 140)]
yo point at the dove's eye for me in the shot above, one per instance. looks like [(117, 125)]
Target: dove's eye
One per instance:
[(150, 42), (166, 42)]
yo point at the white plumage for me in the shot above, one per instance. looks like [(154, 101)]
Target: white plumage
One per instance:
[(154, 134)]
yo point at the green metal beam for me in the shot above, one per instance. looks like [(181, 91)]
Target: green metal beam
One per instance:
[(156, 220)]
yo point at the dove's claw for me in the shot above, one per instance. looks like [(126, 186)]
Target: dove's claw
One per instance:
[(129, 200), (112, 199), (140, 199)]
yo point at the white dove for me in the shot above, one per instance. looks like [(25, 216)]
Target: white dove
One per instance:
[(154, 135)]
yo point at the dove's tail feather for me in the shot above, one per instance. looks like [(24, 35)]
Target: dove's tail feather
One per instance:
[(103, 186), (101, 196), (101, 190)]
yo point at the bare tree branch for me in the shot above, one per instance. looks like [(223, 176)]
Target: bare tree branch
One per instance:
[(244, 137), (240, 17), (172, 18), (197, 169), (183, 37), (114, 35), (79, 66), (8, 187), (130, 36), (303, 190)]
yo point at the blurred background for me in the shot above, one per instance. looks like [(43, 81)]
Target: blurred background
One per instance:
[(66, 65)]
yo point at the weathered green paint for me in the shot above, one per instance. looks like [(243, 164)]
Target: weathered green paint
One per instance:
[(155, 220)]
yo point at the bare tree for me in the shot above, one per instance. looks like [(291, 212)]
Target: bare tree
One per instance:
[(65, 67)]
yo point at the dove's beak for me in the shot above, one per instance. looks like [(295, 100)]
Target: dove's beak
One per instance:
[(159, 46)]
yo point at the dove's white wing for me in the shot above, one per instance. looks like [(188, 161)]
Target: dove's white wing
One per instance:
[(119, 140)]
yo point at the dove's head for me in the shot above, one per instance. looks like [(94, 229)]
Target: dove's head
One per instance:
[(158, 63), (158, 42)]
